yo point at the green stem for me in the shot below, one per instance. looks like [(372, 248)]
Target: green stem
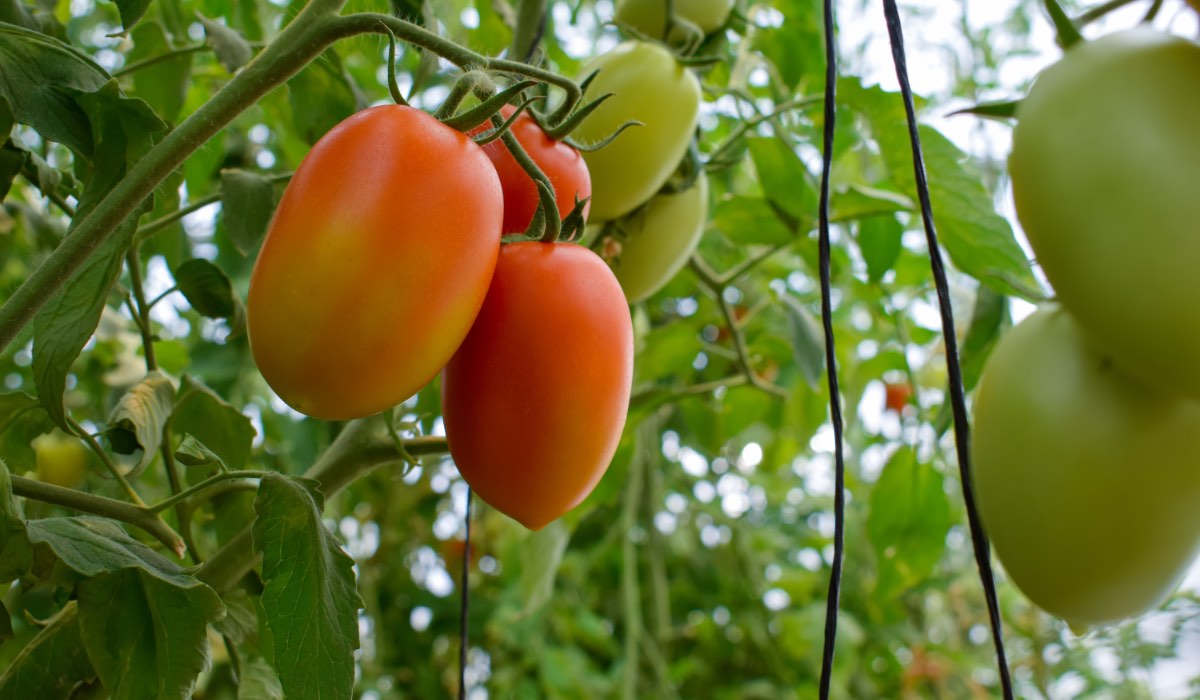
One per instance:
[(100, 505), (630, 593), (361, 446), (106, 461), (183, 510), (531, 24), (205, 485), (141, 314), (160, 58), (746, 125), (31, 174), (145, 231), (1099, 11), (299, 43)]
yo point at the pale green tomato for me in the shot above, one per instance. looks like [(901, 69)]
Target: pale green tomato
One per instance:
[(61, 459), (648, 86), (650, 16), (656, 241), (1106, 176), (1086, 478)]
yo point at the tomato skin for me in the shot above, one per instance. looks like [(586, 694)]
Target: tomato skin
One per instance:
[(561, 163), (61, 459), (649, 86), (375, 263), (1105, 174), (535, 399), (659, 239), (897, 395), (650, 16), (1085, 476)]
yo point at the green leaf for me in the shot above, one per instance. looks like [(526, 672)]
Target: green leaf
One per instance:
[(231, 49), (12, 159), (66, 322), (992, 110), (207, 417), (750, 221), (540, 557), (988, 319), (880, 240), (92, 546), (16, 552), (808, 341), (142, 413), (321, 96), (52, 664), (309, 597), (209, 291), (163, 85), (241, 617), (147, 637), (259, 681), (193, 453), (859, 201), (6, 629), (22, 419), (35, 72), (785, 180), (908, 521), (247, 204), (131, 11)]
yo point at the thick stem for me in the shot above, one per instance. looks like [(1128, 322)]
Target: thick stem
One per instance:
[(299, 43), (531, 24), (99, 505)]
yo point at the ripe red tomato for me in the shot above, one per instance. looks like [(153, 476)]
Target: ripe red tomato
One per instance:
[(561, 163), (375, 264), (535, 399), (897, 395)]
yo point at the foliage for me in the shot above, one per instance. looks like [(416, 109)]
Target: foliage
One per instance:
[(225, 546)]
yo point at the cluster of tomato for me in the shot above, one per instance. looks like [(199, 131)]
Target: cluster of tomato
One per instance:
[(383, 266), (1087, 420)]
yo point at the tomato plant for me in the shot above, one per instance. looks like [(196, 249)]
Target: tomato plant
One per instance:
[(61, 459), (1105, 176), (375, 264), (560, 162), (650, 16), (648, 86), (535, 399), (657, 240), (1085, 476)]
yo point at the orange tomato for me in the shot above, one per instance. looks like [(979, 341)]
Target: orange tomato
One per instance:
[(375, 264), (897, 395), (561, 163), (535, 399)]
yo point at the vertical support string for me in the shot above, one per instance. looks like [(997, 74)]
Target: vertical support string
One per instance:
[(464, 600), (957, 393), (833, 595)]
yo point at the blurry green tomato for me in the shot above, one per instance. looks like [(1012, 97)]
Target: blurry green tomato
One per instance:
[(650, 16), (61, 459)]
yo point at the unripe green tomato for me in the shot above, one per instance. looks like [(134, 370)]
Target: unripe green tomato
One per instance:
[(648, 86), (1086, 477), (61, 459), (658, 240), (375, 264), (650, 16), (1105, 171)]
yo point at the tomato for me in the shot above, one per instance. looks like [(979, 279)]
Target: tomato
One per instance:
[(649, 86), (375, 263), (1105, 175), (535, 399), (650, 16), (562, 164), (897, 395), (61, 459), (1086, 477), (657, 240)]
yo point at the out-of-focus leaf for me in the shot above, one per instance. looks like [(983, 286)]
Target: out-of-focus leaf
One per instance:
[(785, 180), (16, 553), (52, 664), (750, 221), (247, 204), (163, 85), (879, 239), (540, 557), (321, 96), (131, 11), (808, 341), (200, 412), (908, 521), (232, 50)]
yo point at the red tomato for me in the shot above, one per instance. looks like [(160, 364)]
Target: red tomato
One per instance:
[(375, 264), (561, 163), (535, 399), (897, 395)]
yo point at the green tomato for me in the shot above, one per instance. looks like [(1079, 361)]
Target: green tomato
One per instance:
[(650, 16), (648, 86), (61, 459), (1105, 171), (1086, 477), (656, 241)]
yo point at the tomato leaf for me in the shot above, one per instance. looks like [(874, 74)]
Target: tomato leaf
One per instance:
[(785, 180), (320, 96), (52, 664), (808, 341), (12, 159), (750, 221), (908, 521), (540, 557), (258, 681), (141, 414), (16, 553), (22, 419), (163, 85), (193, 453), (309, 599), (145, 634), (247, 203), (208, 290), (231, 49), (208, 418), (879, 240), (241, 617), (131, 11)]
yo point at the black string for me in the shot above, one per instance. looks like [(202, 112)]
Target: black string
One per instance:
[(464, 599), (835, 404), (957, 400)]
